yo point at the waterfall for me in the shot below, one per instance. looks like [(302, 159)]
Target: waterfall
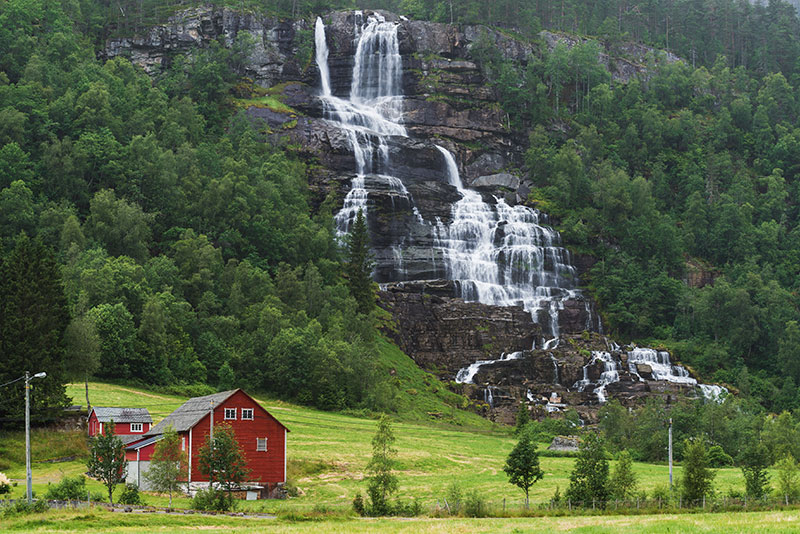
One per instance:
[(502, 255), (467, 374), (499, 254), (609, 375), (659, 362), (322, 56), (556, 379)]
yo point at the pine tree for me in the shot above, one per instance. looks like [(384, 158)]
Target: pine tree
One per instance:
[(33, 318), (589, 479), (382, 482), (522, 464), (107, 460), (358, 268)]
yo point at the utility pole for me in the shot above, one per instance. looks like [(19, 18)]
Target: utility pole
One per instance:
[(670, 454), (28, 474)]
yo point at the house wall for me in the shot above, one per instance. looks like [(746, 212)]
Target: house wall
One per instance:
[(119, 428), (265, 467)]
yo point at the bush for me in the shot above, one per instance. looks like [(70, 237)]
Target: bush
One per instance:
[(411, 509), (717, 457), (23, 508), (213, 500), (5, 484), (68, 489), (358, 505), (130, 495), (661, 493), (474, 505), (453, 498)]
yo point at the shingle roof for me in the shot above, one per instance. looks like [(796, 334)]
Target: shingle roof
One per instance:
[(122, 415), (190, 412), (144, 443)]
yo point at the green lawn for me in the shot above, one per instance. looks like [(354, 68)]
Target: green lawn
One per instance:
[(328, 453), (101, 521)]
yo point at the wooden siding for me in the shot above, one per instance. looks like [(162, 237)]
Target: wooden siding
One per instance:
[(265, 467)]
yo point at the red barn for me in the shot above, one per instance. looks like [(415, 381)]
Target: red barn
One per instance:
[(260, 435), (130, 424)]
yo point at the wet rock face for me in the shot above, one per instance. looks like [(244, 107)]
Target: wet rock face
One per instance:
[(445, 334)]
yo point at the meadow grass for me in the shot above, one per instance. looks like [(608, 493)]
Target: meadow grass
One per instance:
[(328, 453), (98, 520)]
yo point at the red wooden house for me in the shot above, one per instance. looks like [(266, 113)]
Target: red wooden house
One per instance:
[(260, 435), (130, 424)]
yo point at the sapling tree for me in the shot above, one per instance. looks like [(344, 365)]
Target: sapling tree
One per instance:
[(589, 479), (222, 460), (697, 476), (382, 482), (168, 465), (107, 459), (623, 479), (522, 464)]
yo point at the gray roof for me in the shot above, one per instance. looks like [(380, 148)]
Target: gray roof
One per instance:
[(144, 443), (129, 438), (190, 412), (122, 415)]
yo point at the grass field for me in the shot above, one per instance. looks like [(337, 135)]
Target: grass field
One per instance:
[(328, 453), (101, 521)]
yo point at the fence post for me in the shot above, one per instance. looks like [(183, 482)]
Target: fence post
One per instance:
[(745, 500), (704, 502), (504, 505), (592, 504), (680, 502), (637, 503), (569, 503), (447, 506)]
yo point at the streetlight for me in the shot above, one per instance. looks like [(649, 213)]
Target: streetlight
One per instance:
[(28, 429)]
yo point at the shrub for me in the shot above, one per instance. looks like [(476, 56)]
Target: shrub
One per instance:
[(358, 505), (474, 505), (453, 498), (661, 493), (130, 495), (410, 509), (23, 508), (212, 499), (68, 489), (717, 457), (5, 484)]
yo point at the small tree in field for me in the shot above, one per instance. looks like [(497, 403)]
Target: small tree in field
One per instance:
[(107, 460), (522, 464), (754, 462), (222, 460), (788, 476), (589, 479), (382, 482), (623, 479), (168, 465), (697, 477)]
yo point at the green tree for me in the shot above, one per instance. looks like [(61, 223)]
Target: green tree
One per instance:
[(358, 267), (222, 460), (33, 318), (82, 352), (107, 459), (623, 480), (788, 475), (522, 464), (523, 418), (589, 478), (754, 461), (168, 465), (122, 227), (382, 482), (697, 476)]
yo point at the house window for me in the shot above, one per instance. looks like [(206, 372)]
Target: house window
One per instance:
[(261, 444), (136, 427), (230, 413), (183, 443), (247, 413)]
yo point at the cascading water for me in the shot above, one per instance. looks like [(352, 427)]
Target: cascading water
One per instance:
[(609, 375), (502, 255), (499, 254)]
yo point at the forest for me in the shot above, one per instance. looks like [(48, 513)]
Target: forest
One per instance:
[(165, 243)]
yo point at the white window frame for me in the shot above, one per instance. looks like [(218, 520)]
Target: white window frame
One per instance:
[(234, 414), (245, 413), (137, 427), (258, 445), (183, 443)]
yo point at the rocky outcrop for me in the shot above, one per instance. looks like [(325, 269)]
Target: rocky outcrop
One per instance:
[(444, 334), (624, 61)]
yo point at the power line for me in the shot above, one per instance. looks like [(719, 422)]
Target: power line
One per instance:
[(9, 383)]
